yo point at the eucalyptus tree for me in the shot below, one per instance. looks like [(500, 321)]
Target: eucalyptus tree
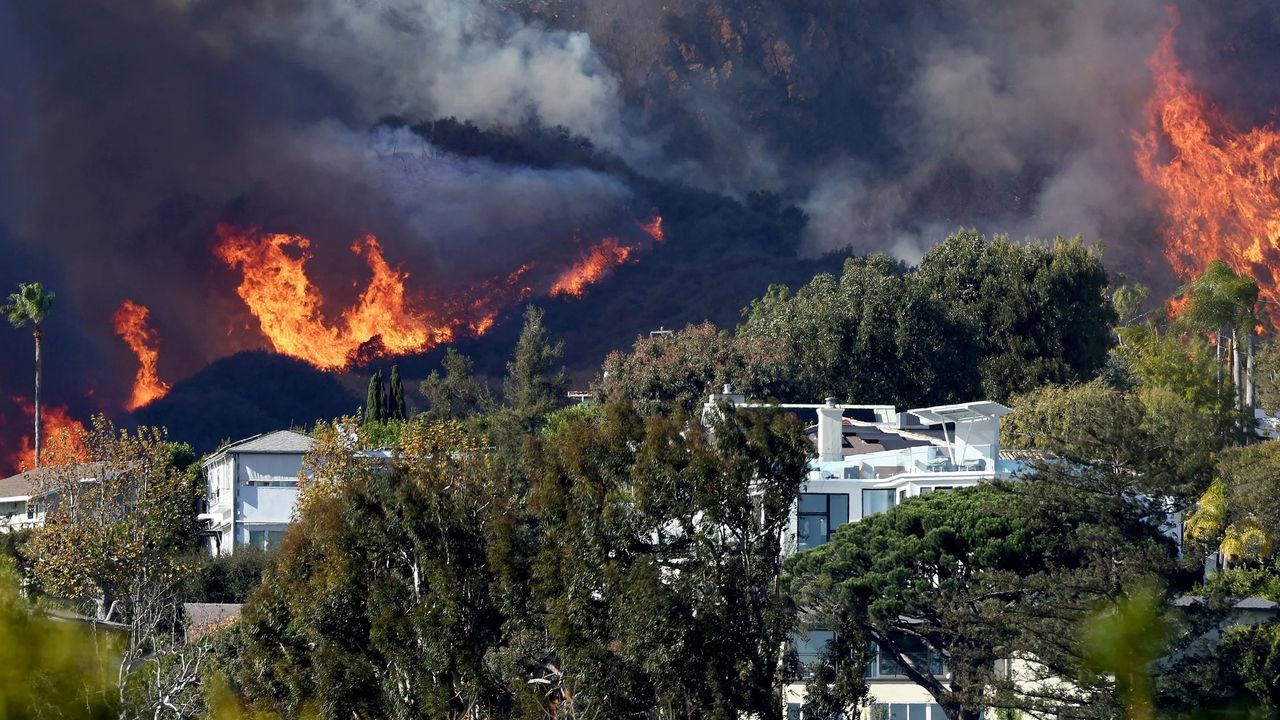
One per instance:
[(30, 306)]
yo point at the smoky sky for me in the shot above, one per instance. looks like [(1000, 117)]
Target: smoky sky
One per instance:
[(131, 128)]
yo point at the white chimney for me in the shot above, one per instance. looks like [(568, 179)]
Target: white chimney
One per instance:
[(830, 432)]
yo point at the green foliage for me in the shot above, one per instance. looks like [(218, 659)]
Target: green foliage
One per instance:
[(50, 669), (29, 306), (1186, 366), (1262, 581), (375, 405), (1016, 316), (1251, 655), (1148, 441), (388, 591), (1268, 376), (979, 575), (396, 408), (679, 370), (535, 383), (224, 578), (114, 540), (1240, 512), (1219, 298), (1123, 639), (457, 394), (659, 553)]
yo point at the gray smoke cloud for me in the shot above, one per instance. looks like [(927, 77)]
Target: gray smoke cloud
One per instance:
[(138, 126), (1018, 119)]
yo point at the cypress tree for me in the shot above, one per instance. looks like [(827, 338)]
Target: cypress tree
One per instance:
[(376, 403), (396, 409)]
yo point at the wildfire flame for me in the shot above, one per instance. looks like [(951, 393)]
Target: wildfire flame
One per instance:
[(653, 229), (62, 437), (1220, 186), (131, 325), (608, 253), (385, 320)]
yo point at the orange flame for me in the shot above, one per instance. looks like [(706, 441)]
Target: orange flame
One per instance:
[(385, 320), (62, 436), (1220, 186), (593, 264), (653, 229), (131, 325)]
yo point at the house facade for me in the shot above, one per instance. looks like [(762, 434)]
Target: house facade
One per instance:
[(251, 490), (870, 458), (17, 510)]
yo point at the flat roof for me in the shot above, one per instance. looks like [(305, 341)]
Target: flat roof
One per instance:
[(962, 412)]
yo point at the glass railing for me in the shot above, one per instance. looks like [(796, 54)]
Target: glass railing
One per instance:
[(925, 459)]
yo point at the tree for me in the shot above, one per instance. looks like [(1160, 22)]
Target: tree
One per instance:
[(375, 405), (1011, 317), (1240, 513), (679, 370), (970, 577), (30, 306), (115, 529), (659, 553), (535, 383), (1035, 313), (1220, 299), (396, 409), (1149, 442), (389, 592), (457, 394)]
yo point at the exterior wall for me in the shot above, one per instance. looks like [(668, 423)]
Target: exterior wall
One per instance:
[(14, 516), (266, 488)]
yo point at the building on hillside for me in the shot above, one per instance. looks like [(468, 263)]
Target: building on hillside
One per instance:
[(868, 459), (251, 490), (25, 497)]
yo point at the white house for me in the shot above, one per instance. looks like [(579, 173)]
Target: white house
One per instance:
[(16, 509), (869, 459), (25, 497), (251, 489)]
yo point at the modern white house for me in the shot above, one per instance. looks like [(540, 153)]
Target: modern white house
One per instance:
[(251, 490), (869, 458)]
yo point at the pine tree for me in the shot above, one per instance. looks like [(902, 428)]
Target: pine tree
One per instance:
[(376, 403), (396, 409), (535, 383)]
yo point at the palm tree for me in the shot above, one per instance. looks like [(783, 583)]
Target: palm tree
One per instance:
[(1219, 298), (30, 305)]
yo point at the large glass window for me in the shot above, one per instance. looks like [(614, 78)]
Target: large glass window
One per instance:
[(885, 665), (877, 501), (818, 515)]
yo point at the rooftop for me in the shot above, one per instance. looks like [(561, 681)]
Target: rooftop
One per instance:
[(26, 484), (280, 441)]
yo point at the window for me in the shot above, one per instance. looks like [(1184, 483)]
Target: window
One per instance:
[(907, 711), (818, 515), (936, 488), (273, 483), (877, 501), (811, 647), (885, 665), (795, 711), (265, 539)]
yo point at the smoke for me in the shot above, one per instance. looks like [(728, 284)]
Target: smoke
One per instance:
[(138, 126), (435, 58), (1016, 119), (132, 127)]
